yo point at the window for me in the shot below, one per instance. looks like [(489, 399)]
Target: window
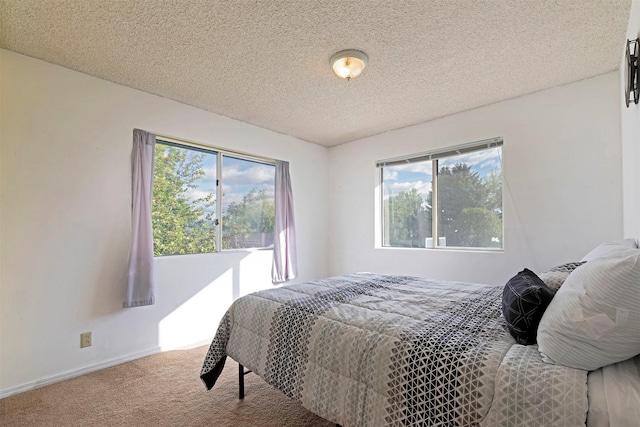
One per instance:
[(188, 183), (453, 194)]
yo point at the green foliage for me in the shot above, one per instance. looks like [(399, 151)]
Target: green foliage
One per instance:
[(470, 211), (459, 188), (184, 225), (471, 207), (478, 228), (249, 223), (493, 200), (181, 225), (409, 219)]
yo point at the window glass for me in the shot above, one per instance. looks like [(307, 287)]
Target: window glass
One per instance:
[(470, 200), (468, 209), (184, 211), (407, 193), (248, 203)]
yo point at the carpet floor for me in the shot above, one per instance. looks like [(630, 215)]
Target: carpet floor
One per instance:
[(160, 390)]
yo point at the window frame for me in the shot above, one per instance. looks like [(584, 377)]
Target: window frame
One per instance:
[(219, 153), (434, 156)]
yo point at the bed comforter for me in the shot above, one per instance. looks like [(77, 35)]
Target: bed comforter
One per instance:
[(373, 350)]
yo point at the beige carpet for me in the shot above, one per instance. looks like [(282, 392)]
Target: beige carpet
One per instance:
[(160, 390)]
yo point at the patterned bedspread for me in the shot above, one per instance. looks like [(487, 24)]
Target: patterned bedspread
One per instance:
[(373, 350)]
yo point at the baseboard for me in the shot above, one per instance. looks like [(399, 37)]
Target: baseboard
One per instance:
[(10, 391)]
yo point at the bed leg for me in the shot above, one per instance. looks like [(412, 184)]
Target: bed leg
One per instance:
[(240, 381), (241, 374)]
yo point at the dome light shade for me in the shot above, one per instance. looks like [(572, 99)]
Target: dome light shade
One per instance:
[(348, 63)]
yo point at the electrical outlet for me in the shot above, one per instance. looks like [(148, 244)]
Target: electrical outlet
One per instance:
[(85, 340)]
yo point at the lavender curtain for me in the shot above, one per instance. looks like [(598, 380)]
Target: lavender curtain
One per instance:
[(139, 289), (285, 264)]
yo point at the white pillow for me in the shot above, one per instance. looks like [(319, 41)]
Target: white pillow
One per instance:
[(610, 248), (594, 318)]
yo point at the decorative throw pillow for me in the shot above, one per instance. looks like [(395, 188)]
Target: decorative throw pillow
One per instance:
[(524, 299), (555, 277), (594, 318)]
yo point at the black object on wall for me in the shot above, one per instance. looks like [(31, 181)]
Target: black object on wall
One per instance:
[(632, 89)]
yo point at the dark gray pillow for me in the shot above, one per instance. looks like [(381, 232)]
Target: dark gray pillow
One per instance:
[(555, 277), (524, 299)]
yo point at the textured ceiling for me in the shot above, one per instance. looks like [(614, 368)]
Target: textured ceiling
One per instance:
[(266, 62)]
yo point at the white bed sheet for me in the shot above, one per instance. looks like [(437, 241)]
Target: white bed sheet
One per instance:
[(614, 395)]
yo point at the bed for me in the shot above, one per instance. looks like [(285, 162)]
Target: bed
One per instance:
[(370, 350)]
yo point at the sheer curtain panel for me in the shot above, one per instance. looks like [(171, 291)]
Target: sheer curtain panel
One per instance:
[(285, 264), (139, 289)]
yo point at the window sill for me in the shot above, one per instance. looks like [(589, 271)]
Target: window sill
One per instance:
[(446, 249), (226, 251)]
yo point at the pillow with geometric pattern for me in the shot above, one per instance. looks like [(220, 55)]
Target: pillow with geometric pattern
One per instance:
[(524, 299), (555, 277)]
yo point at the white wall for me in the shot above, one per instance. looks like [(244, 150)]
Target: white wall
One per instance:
[(65, 224), (630, 124), (562, 170), (65, 198)]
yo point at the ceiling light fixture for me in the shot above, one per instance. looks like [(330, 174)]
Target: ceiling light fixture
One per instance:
[(348, 63)]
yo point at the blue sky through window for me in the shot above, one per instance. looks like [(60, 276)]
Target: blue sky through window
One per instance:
[(239, 176), (419, 175)]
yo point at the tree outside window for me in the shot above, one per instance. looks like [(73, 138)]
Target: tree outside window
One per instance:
[(468, 212), (185, 217)]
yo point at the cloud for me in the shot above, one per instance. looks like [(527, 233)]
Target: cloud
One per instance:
[(483, 159), (233, 194), (422, 187), (236, 174), (253, 175), (195, 194), (390, 175), (239, 178), (476, 160), (209, 175), (230, 198), (421, 167)]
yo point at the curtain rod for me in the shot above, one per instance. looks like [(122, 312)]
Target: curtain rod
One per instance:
[(212, 148)]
